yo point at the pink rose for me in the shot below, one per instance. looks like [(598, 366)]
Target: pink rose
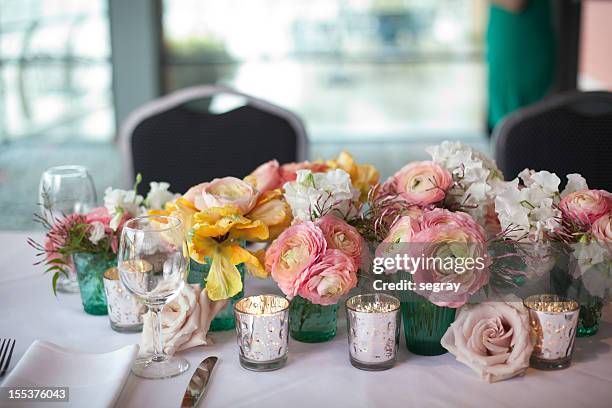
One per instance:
[(266, 177), (451, 254), (440, 216), (602, 228), (221, 192), (492, 339), (585, 206), (422, 183), (292, 253), (288, 171), (340, 235), (333, 276)]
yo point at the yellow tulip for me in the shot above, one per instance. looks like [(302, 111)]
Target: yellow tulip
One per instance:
[(272, 210)]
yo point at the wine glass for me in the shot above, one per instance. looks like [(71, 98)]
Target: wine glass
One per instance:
[(66, 190), (153, 262)]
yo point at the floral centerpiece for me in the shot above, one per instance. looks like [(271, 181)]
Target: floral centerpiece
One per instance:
[(88, 242)]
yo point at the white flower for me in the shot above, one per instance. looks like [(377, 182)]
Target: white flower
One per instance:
[(315, 194), (96, 232), (476, 176), (592, 263), (159, 195), (530, 211), (575, 182), (119, 202)]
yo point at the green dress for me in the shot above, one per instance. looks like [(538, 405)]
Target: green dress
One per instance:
[(521, 57)]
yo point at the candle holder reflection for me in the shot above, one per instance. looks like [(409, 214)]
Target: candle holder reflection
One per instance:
[(262, 324), (124, 310), (373, 330), (553, 320)]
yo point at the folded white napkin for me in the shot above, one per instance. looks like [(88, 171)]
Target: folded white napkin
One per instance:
[(185, 321), (94, 380)]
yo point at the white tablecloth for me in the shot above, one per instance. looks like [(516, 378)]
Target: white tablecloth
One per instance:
[(316, 375)]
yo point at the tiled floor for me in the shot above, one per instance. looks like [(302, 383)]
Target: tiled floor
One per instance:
[(21, 165)]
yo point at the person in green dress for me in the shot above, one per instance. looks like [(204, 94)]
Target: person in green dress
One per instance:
[(521, 53)]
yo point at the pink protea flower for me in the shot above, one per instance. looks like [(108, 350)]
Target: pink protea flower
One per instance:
[(329, 279), (292, 253), (422, 183), (585, 206), (340, 235)]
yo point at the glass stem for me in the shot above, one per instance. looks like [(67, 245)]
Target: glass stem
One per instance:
[(158, 341)]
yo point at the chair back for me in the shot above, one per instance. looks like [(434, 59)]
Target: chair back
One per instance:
[(169, 140), (567, 133)]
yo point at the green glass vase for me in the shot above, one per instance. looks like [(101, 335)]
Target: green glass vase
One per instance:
[(311, 323), (90, 270), (424, 326), (224, 320), (589, 317)]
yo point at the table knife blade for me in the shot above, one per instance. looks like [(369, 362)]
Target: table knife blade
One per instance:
[(198, 384)]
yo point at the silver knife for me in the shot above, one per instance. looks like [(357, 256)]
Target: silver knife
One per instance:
[(197, 385)]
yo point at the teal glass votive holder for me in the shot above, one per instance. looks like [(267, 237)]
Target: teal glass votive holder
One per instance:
[(90, 270), (225, 319)]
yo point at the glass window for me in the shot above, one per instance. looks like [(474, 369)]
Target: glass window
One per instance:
[(55, 70), (353, 69)]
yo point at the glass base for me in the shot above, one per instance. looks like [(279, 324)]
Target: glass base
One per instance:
[(222, 324), (96, 310), (67, 285), (313, 336), (372, 366), (263, 366), (558, 364), (156, 370), (587, 331), (425, 348), (133, 328)]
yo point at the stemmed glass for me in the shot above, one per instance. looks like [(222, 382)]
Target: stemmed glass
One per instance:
[(153, 262), (66, 190)]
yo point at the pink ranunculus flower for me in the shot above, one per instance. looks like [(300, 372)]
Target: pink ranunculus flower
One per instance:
[(440, 216), (492, 339), (400, 233), (333, 276), (288, 171), (292, 253), (422, 183), (585, 206), (602, 229), (266, 177), (451, 255), (342, 236), (222, 192)]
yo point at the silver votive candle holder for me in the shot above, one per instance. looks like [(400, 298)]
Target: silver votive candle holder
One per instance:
[(553, 320), (124, 310), (262, 324), (373, 330)]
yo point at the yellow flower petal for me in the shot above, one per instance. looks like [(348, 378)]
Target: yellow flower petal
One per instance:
[(202, 247), (252, 262), (223, 279)]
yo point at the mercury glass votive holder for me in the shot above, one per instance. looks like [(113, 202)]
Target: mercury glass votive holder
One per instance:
[(373, 330), (124, 310), (553, 320), (262, 328)]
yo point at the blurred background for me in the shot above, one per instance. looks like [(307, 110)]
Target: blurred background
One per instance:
[(380, 78)]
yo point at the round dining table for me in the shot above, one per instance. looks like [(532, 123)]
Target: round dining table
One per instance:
[(316, 375)]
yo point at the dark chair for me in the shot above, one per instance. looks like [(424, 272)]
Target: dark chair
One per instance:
[(568, 133), (169, 140)]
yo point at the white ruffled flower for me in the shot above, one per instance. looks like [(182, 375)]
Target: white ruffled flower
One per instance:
[(159, 195), (530, 211), (575, 182), (592, 263), (119, 202), (314, 194), (96, 232)]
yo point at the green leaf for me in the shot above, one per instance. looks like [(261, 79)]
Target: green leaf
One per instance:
[(57, 261), (54, 282)]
